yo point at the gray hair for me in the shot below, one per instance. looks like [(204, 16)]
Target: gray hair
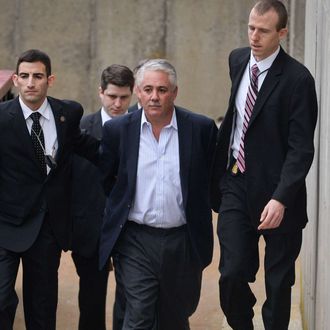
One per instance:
[(157, 65)]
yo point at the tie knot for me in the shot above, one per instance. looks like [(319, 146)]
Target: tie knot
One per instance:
[(255, 70), (35, 116)]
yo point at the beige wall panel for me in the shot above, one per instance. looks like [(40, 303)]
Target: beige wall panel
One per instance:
[(200, 36), (125, 32), (7, 34)]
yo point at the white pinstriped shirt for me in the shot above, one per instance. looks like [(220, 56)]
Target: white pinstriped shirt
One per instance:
[(158, 196), (240, 100)]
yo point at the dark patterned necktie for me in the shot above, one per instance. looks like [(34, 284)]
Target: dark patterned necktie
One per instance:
[(38, 140), (249, 105)]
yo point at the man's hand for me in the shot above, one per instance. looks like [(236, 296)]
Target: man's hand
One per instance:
[(272, 215)]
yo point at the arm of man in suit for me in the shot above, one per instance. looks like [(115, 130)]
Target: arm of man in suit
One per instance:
[(301, 124), (84, 144), (108, 163)]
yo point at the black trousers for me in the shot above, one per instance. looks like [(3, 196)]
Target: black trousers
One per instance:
[(161, 279), (92, 292), (40, 283), (239, 262)]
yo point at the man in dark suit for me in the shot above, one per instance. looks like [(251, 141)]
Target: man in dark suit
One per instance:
[(264, 152), (88, 202), (158, 223), (38, 136)]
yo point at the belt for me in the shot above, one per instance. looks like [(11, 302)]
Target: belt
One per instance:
[(155, 230)]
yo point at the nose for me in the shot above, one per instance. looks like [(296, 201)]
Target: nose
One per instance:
[(118, 102), (154, 95), (254, 35), (30, 81)]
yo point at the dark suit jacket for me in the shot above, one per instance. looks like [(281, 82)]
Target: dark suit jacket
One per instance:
[(279, 141), (26, 194), (88, 198), (133, 107), (120, 149)]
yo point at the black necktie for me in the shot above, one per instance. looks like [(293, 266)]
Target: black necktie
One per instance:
[(38, 140)]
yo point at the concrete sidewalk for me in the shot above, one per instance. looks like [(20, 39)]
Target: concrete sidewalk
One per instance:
[(207, 317)]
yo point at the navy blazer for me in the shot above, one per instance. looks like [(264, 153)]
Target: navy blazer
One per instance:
[(119, 158), (278, 143)]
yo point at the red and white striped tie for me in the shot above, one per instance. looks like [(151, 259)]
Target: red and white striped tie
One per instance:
[(249, 104)]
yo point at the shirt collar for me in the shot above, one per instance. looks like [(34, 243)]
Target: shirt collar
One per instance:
[(43, 110), (173, 123), (266, 63), (104, 115)]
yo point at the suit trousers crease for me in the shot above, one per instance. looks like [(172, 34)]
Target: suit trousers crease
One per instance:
[(161, 280), (40, 282), (239, 262)]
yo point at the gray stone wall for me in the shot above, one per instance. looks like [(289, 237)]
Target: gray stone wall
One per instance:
[(82, 37), (316, 256)]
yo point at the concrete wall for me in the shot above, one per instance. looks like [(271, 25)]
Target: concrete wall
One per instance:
[(84, 36), (316, 256)]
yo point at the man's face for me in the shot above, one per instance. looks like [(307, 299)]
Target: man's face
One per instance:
[(115, 99), (157, 96), (32, 83), (263, 35)]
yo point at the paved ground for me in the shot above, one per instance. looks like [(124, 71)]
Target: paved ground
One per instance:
[(207, 317)]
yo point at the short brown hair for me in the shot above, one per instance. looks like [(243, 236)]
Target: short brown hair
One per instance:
[(264, 6), (119, 75)]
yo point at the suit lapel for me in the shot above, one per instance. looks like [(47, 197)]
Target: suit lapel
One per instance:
[(185, 147), (237, 74), (22, 133), (94, 125), (270, 82), (132, 145), (60, 122)]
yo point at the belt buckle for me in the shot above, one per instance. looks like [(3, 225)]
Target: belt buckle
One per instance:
[(234, 170)]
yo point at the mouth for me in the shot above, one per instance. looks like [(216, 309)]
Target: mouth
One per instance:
[(154, 106), (253, 46)]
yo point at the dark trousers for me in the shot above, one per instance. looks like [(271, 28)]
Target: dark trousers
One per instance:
[(161, 279), (239, 262), (92, 292), (119, 305), (40, 286)]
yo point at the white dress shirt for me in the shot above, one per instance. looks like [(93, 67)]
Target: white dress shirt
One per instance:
[(47, 123), (158, 195), (240, 100), (104, 115)]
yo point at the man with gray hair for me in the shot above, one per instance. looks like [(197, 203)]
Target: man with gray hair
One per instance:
[(158, 222)]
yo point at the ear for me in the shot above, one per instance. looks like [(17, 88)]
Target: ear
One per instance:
[(14, 79), (100, 91), (51, 80), (175, 92), (283, 33)]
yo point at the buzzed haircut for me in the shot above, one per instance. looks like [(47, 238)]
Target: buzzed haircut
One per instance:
[(264, 6), (35, 55), (118, 75)]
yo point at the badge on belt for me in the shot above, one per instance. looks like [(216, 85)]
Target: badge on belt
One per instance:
[(234, 169)]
